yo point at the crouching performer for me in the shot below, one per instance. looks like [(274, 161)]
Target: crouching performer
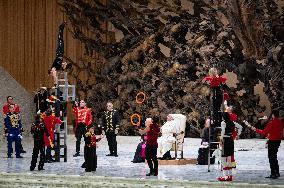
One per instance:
[(165, 142), (90, 149), (38, 130), (227, 144)]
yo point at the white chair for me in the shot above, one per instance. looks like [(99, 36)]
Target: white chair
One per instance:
[(180, 121)]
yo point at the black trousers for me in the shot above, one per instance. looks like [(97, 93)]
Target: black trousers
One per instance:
[(228, 148), (57, 63), (90, 158), (112, 144), (79, 133), (217, 102), (151, 157), (273, 146), (39, 146)]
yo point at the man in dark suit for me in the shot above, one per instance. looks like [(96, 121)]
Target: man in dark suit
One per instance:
[(110, 124)]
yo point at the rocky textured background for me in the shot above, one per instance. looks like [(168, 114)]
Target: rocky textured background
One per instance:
[(165, 47)]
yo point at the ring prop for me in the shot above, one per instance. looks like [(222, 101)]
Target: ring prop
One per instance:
[(140, 97), (135, 119)]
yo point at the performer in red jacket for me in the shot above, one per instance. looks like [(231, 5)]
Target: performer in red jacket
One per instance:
[(215, 82), (83, 119), (6, 106), (274, 133), (152, 130), (50, 120)]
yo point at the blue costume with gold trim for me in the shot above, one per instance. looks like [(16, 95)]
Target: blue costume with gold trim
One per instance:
[(14, 125)]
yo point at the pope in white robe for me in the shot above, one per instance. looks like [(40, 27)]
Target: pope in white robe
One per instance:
[(167, 139)]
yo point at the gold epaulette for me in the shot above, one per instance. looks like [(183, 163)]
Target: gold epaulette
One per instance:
[(88, 134)]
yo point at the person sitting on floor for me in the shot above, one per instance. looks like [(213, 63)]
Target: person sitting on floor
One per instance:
[(139, 156)]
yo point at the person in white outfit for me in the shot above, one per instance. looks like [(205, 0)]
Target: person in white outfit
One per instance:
[(167, 139)]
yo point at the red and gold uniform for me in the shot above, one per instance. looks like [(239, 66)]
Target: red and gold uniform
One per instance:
[(83, 119), (83, 115), (50, 122), (90, 151)]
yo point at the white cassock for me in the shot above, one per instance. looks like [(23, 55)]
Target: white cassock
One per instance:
[(165, 142)]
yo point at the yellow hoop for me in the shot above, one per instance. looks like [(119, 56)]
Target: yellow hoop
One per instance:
[(139, 94), (132, 117)]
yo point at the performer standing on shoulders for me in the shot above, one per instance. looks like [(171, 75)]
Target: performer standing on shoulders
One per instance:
[(227, 144), (152, 130), (274, 132), (110, 124), (216, 82), (83, 119)]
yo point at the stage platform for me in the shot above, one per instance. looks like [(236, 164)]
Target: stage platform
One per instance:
[(184, 161)]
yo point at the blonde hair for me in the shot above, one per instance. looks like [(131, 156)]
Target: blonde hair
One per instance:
[(213, 72)]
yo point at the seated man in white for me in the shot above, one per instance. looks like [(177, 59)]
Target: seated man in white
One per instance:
[(172, 132), (165, 142)]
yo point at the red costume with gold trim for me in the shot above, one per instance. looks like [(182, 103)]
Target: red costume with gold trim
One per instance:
[(50, 122), (83, 115)]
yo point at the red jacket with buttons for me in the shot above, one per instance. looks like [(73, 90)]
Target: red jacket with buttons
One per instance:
[(83, 115), (273, 130)]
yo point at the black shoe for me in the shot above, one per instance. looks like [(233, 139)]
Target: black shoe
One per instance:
[(23, 151), (41, 168), (87, 170), (19, 156), (49, 161), (109, 155), (272, 176), (76, 155), (32, 168), (9, 156), (150, 174), (83, 165), (115, 155)]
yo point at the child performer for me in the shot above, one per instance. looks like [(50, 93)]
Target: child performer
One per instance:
[(227, 144), (90, 149), (38, 129), (215, 83)]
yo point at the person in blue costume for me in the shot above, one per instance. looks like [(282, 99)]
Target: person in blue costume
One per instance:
[(14, 125)]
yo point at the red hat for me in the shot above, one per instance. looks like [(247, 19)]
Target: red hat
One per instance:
[(51, 99)]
